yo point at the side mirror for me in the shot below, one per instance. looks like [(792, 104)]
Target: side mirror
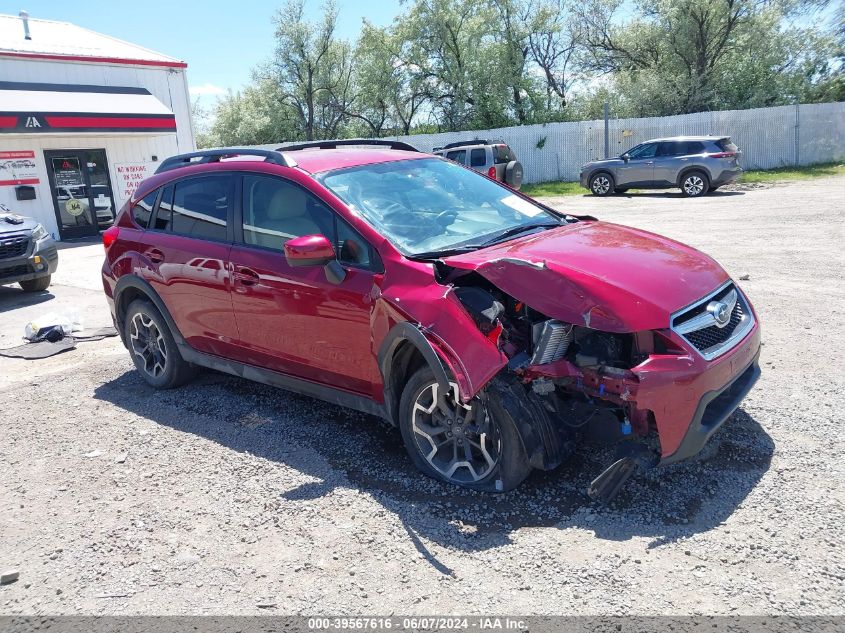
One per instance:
[(625, 157), (309, 250)]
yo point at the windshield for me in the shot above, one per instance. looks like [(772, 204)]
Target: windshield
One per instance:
[(429, 205)]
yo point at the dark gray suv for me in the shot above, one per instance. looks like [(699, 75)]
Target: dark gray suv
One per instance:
[(28, 254), (695, 164)]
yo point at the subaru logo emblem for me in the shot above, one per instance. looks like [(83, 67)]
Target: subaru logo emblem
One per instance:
[(721, 312)]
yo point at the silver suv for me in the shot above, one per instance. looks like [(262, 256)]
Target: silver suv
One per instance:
[(695, 164), (492, 158)]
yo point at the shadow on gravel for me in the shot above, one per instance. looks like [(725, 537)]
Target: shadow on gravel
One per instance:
[(342, 448), (676, 194), (12, 297)]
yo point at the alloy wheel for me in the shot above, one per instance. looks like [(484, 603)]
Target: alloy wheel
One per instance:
[(461, 442), (601, 185), (148, 344), (693, 185)]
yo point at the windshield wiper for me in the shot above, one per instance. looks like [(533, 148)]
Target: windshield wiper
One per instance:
[(446, 252), (516, 230)]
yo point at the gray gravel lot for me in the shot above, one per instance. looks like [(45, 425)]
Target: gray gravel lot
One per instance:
[(227, 497)]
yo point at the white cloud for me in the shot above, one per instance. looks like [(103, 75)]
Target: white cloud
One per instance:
[(206, 89)]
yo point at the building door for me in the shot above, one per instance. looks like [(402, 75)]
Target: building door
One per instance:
[(81, 190)]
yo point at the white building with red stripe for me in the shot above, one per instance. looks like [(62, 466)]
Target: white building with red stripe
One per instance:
[(84, 117)]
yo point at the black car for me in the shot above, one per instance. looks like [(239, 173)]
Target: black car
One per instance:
[(28, 254)]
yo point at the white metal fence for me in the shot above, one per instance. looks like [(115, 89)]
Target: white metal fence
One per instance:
[(768, 137)]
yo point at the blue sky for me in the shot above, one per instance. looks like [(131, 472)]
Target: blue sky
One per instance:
[(220, 39)]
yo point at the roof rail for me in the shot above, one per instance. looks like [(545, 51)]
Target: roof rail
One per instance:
[(215, 155), (333, 144), (478, 141)]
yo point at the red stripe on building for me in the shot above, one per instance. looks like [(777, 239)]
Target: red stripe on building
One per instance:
[(22, 181), (8, 121), (97, 60), (128, 123)]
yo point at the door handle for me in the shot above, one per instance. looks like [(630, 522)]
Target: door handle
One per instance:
[(155, 255), (651, 162), (246, 276)]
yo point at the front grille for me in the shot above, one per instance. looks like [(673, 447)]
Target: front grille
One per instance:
[(711, 336), (698, 326), (14, 246), (13, 271)]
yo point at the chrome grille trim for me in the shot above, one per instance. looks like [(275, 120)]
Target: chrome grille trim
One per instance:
[(698, 325)]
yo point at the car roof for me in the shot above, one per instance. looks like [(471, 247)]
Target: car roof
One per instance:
[(315, 161), (311, 161), (688, 138)]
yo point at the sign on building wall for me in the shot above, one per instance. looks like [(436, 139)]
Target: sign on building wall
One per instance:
[(18, 168), (130, 175)]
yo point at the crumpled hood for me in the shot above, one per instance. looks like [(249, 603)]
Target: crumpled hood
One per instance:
[(604, 276)]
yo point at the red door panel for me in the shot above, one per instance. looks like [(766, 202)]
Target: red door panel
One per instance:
[(192, 278), (295, 321)]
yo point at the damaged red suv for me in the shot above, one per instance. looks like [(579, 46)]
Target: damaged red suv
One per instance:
[(491, 329)]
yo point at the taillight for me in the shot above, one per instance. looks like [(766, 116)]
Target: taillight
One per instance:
[(110, 236), (723, 155), (491, 173)]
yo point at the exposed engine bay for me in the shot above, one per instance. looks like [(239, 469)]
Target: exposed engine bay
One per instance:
[(579, 377)]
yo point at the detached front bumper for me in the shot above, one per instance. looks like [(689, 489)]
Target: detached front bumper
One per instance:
[(39, 260)]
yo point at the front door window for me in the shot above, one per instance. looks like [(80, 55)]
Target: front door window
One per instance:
[(82, 193)]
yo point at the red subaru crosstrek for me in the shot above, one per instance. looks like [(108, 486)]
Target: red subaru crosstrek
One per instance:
[(491, 329)]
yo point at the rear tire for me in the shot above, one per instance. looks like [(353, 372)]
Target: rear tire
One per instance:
[(601, 184), (478, 447), (153, 350), (38, 284), (694, 184)]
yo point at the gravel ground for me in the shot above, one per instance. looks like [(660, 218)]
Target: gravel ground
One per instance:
[(227, 497)]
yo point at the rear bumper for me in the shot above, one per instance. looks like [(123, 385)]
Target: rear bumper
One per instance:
[(727, 176), (41, 259)]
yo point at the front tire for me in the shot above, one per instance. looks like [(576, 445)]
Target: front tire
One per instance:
[(36, 285), (476, 446), (153, 350), (695, 184), (602, 184)]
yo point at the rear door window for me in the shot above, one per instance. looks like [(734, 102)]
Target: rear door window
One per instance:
[(478, 157), (668, 148), (201, 207), (692, 147), (143, 209), (459, 156)]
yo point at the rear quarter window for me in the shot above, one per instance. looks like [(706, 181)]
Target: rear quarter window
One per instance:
[(726, 145), (502, 154), (478, 157)]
